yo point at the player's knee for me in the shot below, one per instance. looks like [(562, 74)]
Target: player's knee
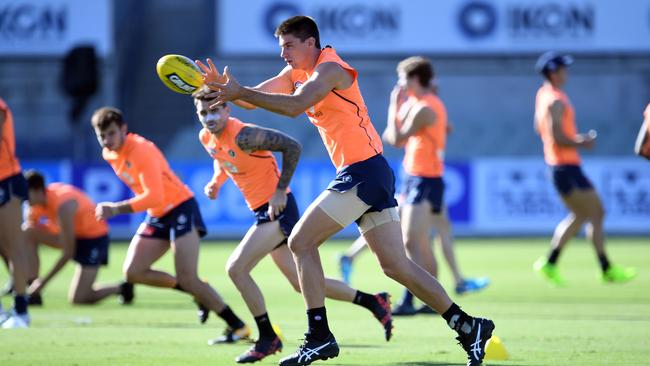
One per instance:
[(234, 270), (187, 281), (392, 269), (131, 274), (80, 299), (298, 243)]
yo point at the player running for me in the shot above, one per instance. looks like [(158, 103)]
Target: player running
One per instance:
[(173, 218), (417, 121), (555, 123), (63, 217), (318, 82), (13, 191), (243, 152)]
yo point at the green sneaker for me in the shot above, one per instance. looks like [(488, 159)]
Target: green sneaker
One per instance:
[(619, 274), (549, 271)]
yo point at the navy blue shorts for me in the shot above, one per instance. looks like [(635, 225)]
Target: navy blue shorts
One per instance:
[(175, 223), (92, 252), (288, 218), (15, 185), (415, 189), (566, 178), (374, 180)]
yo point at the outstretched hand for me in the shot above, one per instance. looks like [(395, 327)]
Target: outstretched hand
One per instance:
[(225, 87), (210, 73)]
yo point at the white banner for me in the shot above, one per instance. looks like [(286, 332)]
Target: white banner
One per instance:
[(516, 195), (52, 27), (424, 26)]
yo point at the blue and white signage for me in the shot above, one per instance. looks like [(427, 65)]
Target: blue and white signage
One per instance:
[(52, 27), (461, 26)]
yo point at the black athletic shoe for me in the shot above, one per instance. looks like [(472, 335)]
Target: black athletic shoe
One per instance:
[(231, 335), (202, 313), (404, 310), (474, 342), (35, 300), (426, 309), (312, 350), (126, 293), (261, 349), (382, 313)]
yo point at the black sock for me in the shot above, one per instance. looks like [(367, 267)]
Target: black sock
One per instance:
[(231, 319), (407, 298), (265, 327), (457, 319), (552, 257), (366, 300), (604, 262), (318, 327), (20, 304)]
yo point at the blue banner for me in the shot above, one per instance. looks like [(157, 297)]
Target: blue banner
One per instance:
[(228, 216)]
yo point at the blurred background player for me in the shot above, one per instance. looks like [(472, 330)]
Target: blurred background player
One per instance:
[(243, 152), (318, 82), (173, 218), (555, 123), (63, 217), (417, 121), (13, 191), (642, 145)]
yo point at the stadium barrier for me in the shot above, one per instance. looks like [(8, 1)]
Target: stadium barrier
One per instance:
[(485, 197)]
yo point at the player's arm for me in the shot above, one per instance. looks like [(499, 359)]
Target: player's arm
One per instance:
[(418, 118), (219, 177), (3, 117), (557, 111), (67, 239), (640, 146), (280, 83), (258, 138), (326, 77), (397, 98), (150, 177)]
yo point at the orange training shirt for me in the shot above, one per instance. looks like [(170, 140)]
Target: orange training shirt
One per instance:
[(555, 154), (342, 118), (86, 225), (9, 164), (425, 150), (256, 174), (142, 167)]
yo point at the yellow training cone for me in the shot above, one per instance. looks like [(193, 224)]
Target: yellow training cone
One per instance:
[(277, 331), (495, 350)]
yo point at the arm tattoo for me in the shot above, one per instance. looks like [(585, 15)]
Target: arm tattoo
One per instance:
[(258, 138)]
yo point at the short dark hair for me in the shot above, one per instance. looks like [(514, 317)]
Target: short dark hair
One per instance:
[(105, 116), (35, 180), (300, 26), (200, 95), (417, 66)]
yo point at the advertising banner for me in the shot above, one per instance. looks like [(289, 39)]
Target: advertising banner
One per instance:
[(52, 27), (450, 27)]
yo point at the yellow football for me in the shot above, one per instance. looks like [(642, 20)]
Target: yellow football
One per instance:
[(179, 74)]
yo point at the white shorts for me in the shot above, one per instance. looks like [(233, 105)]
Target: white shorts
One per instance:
[(346, 208)]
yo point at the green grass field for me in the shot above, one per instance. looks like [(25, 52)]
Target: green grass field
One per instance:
[(588, 323)]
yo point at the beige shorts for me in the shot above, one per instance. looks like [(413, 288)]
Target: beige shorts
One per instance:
[(346, 207)]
